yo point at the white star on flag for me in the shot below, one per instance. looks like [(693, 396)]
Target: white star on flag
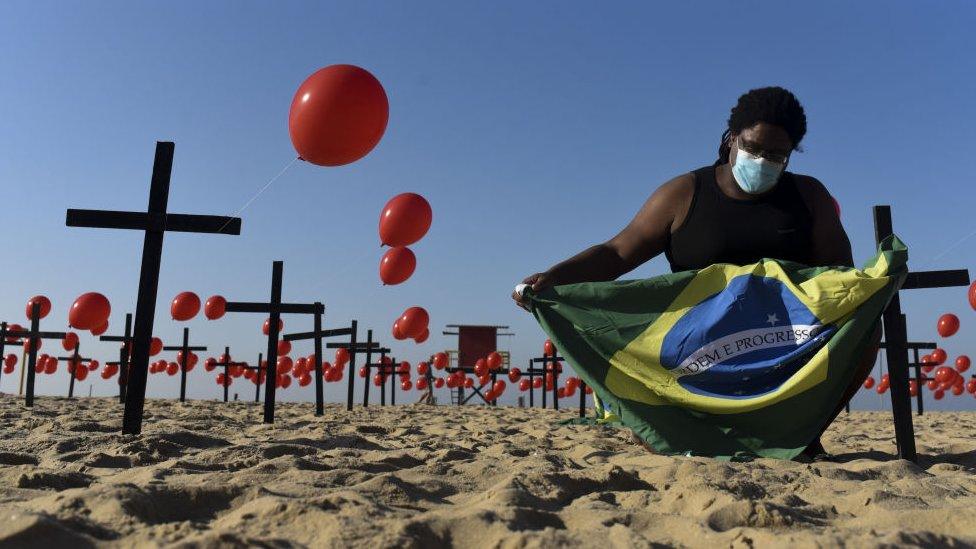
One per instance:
[(772, 319)]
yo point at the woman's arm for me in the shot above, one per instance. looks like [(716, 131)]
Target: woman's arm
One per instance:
[(642, 239), (831, 246)]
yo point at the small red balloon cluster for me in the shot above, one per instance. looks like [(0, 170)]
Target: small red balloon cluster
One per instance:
[(413, 323)]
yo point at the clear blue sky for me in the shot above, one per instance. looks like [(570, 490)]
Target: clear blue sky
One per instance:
[(534, 130)]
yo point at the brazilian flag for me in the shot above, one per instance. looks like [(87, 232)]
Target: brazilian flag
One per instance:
[(728, 361)]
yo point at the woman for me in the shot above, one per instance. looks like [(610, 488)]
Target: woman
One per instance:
[(742, 208)]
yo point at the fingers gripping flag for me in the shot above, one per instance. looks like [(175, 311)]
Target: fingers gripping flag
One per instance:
[(726, 361)]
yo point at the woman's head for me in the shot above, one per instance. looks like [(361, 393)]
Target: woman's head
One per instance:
[(769, 121)]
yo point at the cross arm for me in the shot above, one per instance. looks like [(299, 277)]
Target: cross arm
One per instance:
[(180, 348), (320, 334), (936, 279), (114, 219), (287, 308), (113, 338), (39, 335)]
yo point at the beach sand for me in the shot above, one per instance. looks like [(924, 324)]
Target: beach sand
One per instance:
[(209, 474)]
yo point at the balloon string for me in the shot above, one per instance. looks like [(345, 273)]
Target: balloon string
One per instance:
[(260, 192), (950, 248)]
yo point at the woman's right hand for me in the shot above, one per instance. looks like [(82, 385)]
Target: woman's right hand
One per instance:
[(538, 282)]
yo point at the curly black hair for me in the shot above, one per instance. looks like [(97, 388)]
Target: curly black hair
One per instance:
[(773, 105)]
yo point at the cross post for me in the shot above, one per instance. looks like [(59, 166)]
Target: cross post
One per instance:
[(896, 337), (154, 222), (33, 335), (226, 361), (124, 354)]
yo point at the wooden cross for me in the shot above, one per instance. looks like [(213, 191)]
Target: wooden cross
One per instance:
[(154, 222), (74, 361), (383, 368), (124, 353), (226, 363), (32, 336), (184, 356), (274, 308), (896, 337), (318, 334)]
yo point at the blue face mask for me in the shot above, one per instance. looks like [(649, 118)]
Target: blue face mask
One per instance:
[(755, 174)]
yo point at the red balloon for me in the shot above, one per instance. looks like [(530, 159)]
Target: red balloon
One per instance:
[(423, 368), (267, 326), (10, 360), (377, 379), (869, 382), (215, 307), (561, 392), (341, 356), (468, 382), (284, 347), (932, 384), (943, 374), (44, 302), (440, 361), (491, 395), (185, 306), (480, 368), (514, 374), (962, 363), (957, 390), (397, 265), (27, 344), (69, 341), (81, 373), (422, 337), (406, 385), (421, 384), (222, 379), (155, 346), (172, 368), (971, 386), (14, 328), (397, 332), (494, 361), (405, 219), (524, 385), (939, 394), (499, 386), (284, 364), (548, 349), (210, 364), (537, 383), (912, 387), (304, 380), (483, 379), (363, 372), (438, 382), (338, 115), (938, 356), (972, 295), (93, 365), (89, 311), (948, 325), (100, 329)]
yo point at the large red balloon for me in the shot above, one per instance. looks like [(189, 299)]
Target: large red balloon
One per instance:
[(338, 115), (44, 302), (89, 311), (215, 307), (972, 295), (185, 306), (397, 265), (405, 219), (413, 322), (396, 331), (948, 325)]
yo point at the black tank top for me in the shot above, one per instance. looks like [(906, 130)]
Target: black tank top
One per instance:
[(722, 229)]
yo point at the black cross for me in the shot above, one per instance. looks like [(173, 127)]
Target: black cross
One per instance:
[(275, 308), (382, 368), (896, 337), (226, 364), (915, 347), (155, 221), (74, 361), (32, 336), (124, 352), (185, 354), (318, 334)]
